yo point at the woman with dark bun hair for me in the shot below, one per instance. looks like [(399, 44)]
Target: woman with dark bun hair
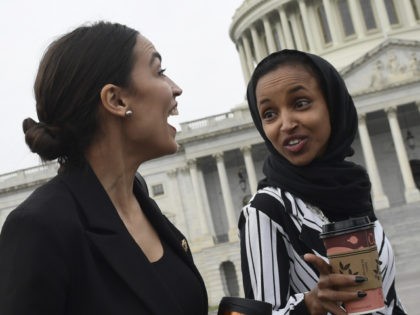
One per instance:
[(91, 240)]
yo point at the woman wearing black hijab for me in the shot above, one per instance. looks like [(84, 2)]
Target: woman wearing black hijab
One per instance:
[(302, 109)]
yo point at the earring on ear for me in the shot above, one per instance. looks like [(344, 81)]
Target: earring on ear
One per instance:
[(128, 113)]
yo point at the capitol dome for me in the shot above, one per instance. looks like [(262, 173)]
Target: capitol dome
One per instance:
[(338, 30)]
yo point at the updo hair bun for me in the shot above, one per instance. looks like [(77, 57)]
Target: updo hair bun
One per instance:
[(43, 139)]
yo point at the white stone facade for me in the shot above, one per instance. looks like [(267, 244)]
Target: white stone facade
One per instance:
[(199, 187)]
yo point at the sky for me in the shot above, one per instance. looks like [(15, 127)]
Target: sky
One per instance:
[(191, 35)]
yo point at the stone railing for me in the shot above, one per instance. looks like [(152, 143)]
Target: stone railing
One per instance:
[(205, 122), (244, 7), (29, 175), (237, 116)]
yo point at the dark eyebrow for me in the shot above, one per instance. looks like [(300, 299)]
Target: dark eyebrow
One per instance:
[(263, 101), (293, 90), (296, 89), (155, 55)]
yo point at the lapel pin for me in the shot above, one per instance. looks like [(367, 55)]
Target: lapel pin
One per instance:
[(184, 245)]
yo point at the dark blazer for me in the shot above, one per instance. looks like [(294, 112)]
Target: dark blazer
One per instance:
[(65, 250)]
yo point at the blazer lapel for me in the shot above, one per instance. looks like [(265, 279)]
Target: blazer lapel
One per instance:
[(107, 233), (168, 233), (162, 225)]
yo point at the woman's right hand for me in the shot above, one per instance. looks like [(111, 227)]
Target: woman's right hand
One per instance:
[(328, 295)]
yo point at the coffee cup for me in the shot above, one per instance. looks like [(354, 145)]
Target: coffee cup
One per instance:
[(351, 250), (242, 306)]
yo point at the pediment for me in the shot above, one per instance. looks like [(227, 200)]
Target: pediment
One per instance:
[(394, 63)]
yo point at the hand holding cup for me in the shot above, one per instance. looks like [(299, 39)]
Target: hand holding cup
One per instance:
[(352, 253)]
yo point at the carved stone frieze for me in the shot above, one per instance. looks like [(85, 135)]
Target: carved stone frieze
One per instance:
[(392, 69), (394, 63)]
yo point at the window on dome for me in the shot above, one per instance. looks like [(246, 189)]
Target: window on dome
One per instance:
[(345, 15), (302, 30), (157, 190), (416, 6), (292, 32), (368, 14), (324, 24), (392, 12), (277, 38)]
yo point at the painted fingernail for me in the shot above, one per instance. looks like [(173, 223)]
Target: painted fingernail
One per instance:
[(359, 279), (361, 294)]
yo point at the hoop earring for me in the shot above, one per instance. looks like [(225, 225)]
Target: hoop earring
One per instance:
[(128, 113)]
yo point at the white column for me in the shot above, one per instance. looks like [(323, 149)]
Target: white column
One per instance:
[(244, 63), (308, 30), (271, 44), (380, 200), (206, 204), (296, 31), (330, 18), (248, 53), (409, 13), (286, 29), (192, 164), (411, 192), (357, 19), (383, 17), (250, 169), (178, 202), (227, 196), (257, 44)]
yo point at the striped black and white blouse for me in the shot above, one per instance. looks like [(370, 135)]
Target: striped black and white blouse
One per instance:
[(276, 229)]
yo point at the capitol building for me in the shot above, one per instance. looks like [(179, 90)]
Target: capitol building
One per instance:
[(375, 44)]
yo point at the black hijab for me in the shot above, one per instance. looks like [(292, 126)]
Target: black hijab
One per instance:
[(340, 188)]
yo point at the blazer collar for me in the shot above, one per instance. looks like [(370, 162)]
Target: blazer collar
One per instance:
[(169, 234), (107, 233)]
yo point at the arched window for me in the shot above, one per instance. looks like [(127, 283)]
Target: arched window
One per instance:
[(292, 33), (368, 14), (278, 36), (302, 30), (344, 11), (229, 279), (392, 12), (322, 16), (416, 7), (415, 169)]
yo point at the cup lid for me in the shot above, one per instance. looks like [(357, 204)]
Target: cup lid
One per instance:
[(245, 306), (341, 227)]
